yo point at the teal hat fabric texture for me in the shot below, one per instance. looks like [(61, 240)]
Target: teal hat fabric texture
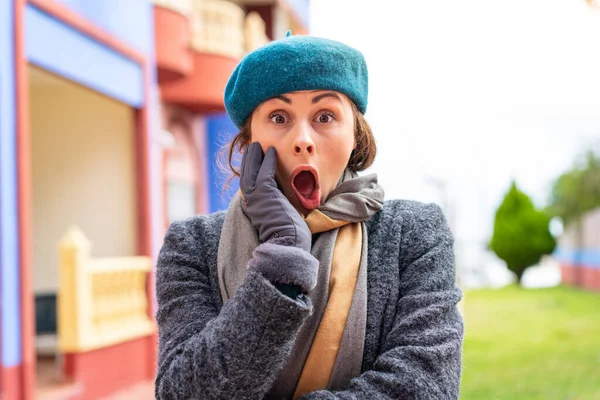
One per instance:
[(293, 64)]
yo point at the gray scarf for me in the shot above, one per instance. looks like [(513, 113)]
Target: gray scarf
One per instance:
[(355, 199)]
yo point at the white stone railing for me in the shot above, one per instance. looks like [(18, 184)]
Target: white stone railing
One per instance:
[(180, 6), (255, 31), (101, 302), (217, 28)]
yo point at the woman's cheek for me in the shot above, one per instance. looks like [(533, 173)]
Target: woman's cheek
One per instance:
[(283, 170)]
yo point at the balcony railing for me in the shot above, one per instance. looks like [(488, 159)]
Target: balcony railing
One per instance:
[(217, 28), (180, 6), (255, 31), (101, 302)]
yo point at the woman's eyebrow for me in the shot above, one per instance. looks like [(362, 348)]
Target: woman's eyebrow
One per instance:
[(284, 99), (318, 98)]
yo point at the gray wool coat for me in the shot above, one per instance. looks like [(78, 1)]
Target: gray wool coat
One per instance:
[(414, 332)]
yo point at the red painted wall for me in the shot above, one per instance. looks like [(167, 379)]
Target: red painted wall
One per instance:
[(581, 276), (105, 371)]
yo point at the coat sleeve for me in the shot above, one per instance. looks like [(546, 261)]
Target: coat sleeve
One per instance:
[(421, 356), (209, 352)]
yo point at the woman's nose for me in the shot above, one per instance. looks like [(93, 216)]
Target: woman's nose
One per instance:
[(304, 148), (303, 143)]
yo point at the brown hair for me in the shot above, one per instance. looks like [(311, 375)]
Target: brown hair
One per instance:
[(361, 157)]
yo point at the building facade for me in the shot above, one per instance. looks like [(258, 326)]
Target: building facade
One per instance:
[(579, 253), (111, 125)]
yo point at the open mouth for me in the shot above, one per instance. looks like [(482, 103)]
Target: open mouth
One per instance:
[(305, 183)]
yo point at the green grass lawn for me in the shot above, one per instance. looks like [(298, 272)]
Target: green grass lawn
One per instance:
[(531, 344)]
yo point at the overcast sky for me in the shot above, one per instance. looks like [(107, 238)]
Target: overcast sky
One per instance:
[(475, 93)]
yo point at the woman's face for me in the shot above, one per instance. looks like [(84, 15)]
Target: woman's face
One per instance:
[(313, 133)]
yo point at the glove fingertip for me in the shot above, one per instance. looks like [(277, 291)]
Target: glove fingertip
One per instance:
[(269, 165), (253, 165)]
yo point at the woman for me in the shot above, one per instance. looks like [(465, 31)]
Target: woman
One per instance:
[(310, 285)]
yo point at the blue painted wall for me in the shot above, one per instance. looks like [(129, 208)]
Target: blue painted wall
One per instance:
[(66, 52), (219, 132), (129, 20), (589, 258), (10, 322)]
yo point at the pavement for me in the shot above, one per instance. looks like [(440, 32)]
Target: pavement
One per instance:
[(140, 391)]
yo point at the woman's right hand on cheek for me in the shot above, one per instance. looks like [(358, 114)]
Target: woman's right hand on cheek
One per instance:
[(269, 210)]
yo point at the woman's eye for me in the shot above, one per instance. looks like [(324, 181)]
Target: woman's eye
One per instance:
[(278, 118), (325, 118)]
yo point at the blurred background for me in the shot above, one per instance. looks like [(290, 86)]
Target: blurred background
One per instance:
[(112, 126)]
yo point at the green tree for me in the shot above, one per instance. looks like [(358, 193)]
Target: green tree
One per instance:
[(577, 191), (521, 232)]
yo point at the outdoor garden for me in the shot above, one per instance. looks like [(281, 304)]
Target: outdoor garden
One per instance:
[(535, 343)]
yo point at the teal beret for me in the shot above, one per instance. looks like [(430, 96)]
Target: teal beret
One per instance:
[(293, 64)]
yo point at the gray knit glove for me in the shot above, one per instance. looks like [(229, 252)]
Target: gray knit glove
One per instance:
[(271, 213), (283, 257)]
